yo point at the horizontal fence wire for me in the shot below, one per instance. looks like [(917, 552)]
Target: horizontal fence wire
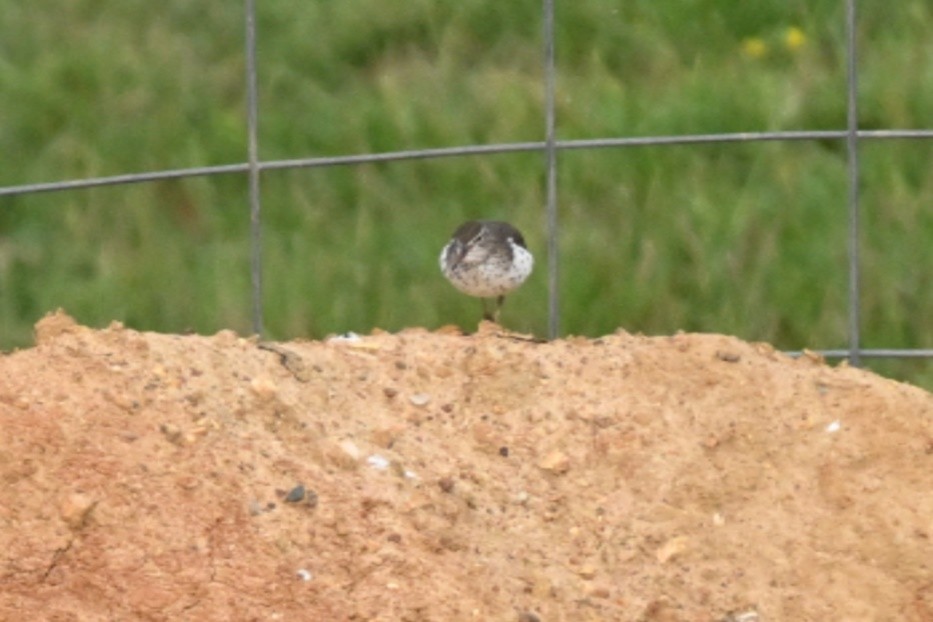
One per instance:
[(550, 147), (872, 353), (452, 152)]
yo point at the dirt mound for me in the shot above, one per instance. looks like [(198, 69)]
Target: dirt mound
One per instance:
[(433, 476)]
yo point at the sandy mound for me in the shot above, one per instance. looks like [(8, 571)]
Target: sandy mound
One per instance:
[(694, 477)]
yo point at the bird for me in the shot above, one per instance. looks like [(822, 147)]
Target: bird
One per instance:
[(487, 259)]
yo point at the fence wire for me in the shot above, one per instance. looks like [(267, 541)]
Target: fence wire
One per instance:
[(255, 201), (855, 338), (550, 147)]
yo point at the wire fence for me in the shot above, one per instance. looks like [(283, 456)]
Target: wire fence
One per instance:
[(551, 147)]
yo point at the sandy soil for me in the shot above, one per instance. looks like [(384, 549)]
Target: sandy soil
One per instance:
[(449, 477)]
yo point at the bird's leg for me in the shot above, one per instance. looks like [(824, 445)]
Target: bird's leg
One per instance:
[(495, 315), (486, 314)]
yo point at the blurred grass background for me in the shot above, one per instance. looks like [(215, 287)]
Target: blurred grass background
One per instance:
[(744, 239)]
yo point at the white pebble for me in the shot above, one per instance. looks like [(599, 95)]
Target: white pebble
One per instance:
[(420, 399), (378, 462)]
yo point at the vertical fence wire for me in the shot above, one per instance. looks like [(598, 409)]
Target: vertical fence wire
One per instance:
[(553, 328), (855, 337), (255, 204)]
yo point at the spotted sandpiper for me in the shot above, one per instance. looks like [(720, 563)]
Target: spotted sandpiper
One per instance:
[(488, 259)]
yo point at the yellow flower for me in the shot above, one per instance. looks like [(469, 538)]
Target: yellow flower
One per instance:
[(794, 39), (754, 47)]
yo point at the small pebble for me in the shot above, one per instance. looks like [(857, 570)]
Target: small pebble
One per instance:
[(504, 452), (349, 448), (304, 575), (296, 494), (76, 509), (555, 462), (728, 357), (377, 462), (420, 399), (587, 572)]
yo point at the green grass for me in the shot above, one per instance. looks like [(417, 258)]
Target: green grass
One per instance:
[(745, 239)]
